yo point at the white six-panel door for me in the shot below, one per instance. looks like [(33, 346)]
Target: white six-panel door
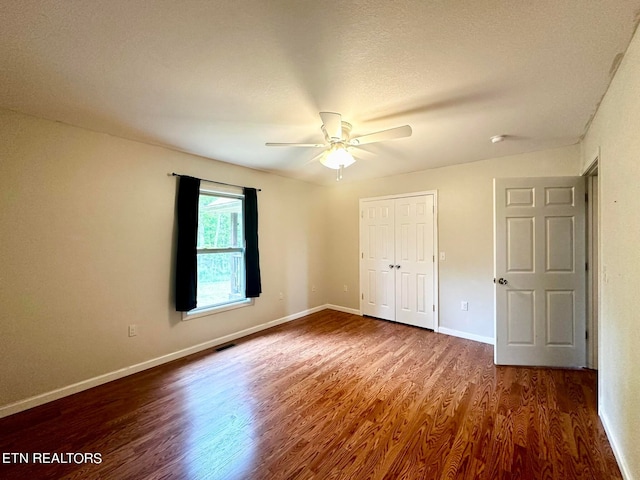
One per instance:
[(397, 267), (540, 271)]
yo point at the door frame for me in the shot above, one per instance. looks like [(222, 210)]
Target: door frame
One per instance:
[(436, 301), (593, 256)]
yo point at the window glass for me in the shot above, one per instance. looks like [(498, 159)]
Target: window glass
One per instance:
[(220, 222), (220, 278), (220, 251)]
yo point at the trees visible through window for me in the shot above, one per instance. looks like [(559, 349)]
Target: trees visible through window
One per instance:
[(220, 250)]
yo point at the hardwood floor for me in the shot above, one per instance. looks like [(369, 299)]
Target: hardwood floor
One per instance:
[(329, 396)]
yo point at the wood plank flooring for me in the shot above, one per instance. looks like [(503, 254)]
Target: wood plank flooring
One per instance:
[(329, 396)]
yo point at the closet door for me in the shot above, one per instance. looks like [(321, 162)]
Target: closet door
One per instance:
[(414, 260), (397, 262), (377, 265)]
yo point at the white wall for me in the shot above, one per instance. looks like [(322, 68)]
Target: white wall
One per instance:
[(615, 130), (87, 241), (465, 210)]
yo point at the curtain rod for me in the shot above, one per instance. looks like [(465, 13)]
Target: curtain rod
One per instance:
[(174, 174)]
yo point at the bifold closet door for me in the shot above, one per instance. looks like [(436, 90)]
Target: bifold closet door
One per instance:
[(397, 259)]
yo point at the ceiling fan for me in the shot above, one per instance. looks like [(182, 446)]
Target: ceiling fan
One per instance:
[(338, 141)]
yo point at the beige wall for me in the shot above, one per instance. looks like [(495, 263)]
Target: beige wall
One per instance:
[(87, 238), (465, 214), (616, 132)]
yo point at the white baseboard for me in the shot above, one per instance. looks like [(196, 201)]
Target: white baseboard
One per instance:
[(343, 309), (468, 336), (43, 398), (624, 468)]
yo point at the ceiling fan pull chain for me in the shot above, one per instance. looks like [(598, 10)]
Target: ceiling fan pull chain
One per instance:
[(339, 173)]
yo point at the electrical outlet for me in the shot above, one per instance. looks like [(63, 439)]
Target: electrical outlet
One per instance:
[(313, 288), (345, 288), (133, 330), (281, 296), (464, 306), (443, 256)]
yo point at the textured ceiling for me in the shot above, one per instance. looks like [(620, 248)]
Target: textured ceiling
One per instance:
[(221, 78)]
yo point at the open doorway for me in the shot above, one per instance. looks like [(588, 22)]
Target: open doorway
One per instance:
[(592, 264)]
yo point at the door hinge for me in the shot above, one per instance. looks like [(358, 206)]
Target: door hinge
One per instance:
[(362, 255), (586, 197), (433, 307), (361, 213), (586, 266), (586, 334), (362, 296), (433, 258)]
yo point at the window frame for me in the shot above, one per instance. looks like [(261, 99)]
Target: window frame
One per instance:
[(228, 192)]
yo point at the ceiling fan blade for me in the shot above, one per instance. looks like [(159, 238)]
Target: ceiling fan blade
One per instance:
[(390, 134), (332, 123), (312, 145)]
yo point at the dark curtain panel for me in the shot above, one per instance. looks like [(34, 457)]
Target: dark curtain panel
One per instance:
[(252, 256), (186, 258)]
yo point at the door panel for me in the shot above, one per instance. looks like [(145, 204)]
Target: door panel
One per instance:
[(377, 276), (520, 244), (521, 306), (539, 260), (560, 317), (559, 244), (414, 260)]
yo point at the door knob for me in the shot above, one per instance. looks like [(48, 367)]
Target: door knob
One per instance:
[(391, 266), (503, 281), (397, 266)]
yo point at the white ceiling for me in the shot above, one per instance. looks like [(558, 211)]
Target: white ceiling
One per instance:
[(221, 78)]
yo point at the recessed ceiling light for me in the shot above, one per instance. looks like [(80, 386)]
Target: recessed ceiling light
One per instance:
[(497, 138)]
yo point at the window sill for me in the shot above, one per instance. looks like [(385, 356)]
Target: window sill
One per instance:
[(197, 313)]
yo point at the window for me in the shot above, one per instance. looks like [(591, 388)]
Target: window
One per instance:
[(220, 252)]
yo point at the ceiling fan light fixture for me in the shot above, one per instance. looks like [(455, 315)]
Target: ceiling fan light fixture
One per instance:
[(338, 141), (337, 156)]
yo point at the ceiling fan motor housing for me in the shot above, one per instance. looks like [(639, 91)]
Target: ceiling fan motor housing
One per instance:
[(346, 133)]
